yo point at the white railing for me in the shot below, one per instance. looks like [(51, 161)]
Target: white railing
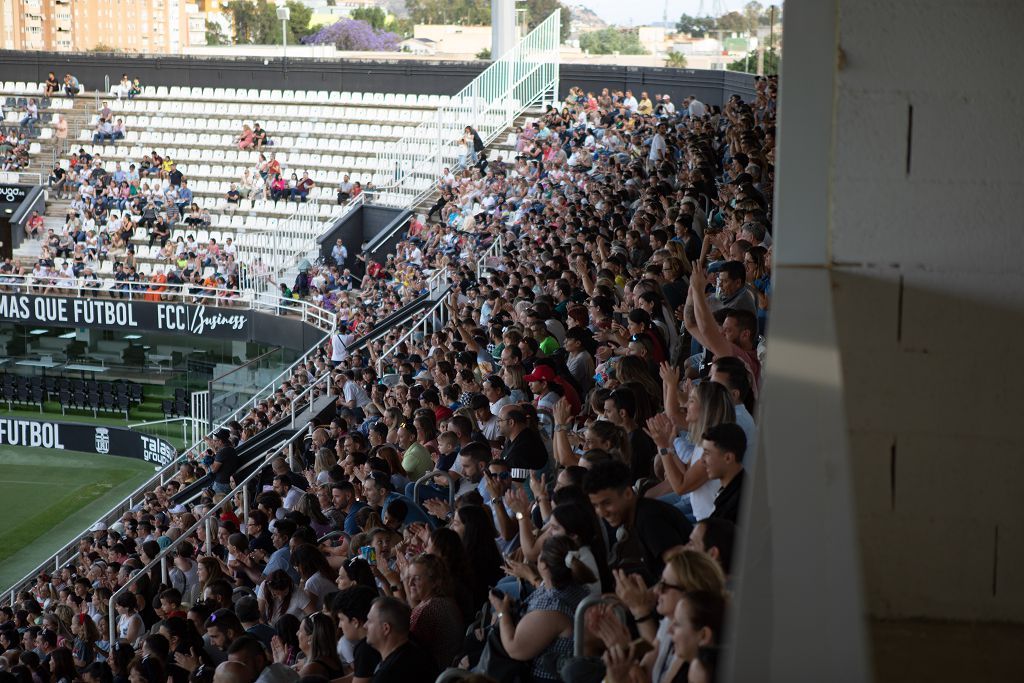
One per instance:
[(432, 319), (279, 249), (490, 258), (207, 519), (53, 285), (525, 75)]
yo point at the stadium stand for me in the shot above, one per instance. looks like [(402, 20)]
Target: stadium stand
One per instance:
[(591, 363)]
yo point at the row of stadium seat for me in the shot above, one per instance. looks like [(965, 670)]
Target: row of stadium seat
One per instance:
[(268, 111), (279, 128), (159, 139)]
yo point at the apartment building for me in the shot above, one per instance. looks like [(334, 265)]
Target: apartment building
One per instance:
[(143, 26)]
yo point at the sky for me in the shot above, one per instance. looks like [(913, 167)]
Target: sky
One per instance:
[(625, 13)]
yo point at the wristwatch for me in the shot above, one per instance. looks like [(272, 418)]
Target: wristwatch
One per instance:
[(664, 451), (519, 515)]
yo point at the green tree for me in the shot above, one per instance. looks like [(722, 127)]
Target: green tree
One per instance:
[(256, 22), (214, 34), (698, 27), (753, 11), (609, 41), (374, 16), (733, 22), (484, 54), (466, 12), (749, 63), (676, 60), (539, 10)]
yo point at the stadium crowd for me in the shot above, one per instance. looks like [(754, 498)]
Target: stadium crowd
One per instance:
[(591, 402)]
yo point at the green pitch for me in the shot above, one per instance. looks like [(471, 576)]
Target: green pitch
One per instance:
[(48, 496)]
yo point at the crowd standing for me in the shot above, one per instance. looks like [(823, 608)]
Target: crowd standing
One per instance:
[(589, 408)]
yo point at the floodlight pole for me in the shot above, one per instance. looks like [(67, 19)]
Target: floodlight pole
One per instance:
[(284, 14)]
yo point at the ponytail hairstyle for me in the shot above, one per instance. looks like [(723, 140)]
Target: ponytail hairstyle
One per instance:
[(614, 435), (561, 555)]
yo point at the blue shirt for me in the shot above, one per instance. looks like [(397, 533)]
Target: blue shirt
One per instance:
[(185, 194), (281, 559), (351, 528)]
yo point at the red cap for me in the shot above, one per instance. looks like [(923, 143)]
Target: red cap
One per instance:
[(541, 373)]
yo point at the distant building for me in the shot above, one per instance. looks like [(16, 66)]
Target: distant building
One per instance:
[(418, 46), (454, 39), (143, 26)]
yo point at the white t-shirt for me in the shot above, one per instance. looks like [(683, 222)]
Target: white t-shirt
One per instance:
[(352, 391), (703, 499), (339, 346)]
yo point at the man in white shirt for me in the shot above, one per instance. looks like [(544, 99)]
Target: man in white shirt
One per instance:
[(697, 108), (353, 397), (340, 344), (630, 103), (289, 494), (658, 148)]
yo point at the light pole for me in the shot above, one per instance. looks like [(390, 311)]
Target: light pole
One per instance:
[(284, 14)]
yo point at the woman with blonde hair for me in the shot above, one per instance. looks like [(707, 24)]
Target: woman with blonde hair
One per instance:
[(708, 404), (513, 378), (686, 571)]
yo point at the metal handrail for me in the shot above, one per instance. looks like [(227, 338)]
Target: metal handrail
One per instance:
[(579, 620), (430, 475), (441, 312), (322, 379), (161, 558), (526, 74)]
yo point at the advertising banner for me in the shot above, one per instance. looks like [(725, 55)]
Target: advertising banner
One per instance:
[(120, 441), (58, 311)]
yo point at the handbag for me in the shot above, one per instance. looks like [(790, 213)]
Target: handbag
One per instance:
[(495, 662)]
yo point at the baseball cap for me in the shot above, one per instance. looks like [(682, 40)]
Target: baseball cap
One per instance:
[(98, 526), (542, 373), (222, 434)]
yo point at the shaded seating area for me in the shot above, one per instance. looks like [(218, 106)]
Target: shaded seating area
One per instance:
[(93, 396), (180, 406), (22, 391)]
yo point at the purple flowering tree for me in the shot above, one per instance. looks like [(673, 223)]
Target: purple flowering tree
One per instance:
[(354, 34)]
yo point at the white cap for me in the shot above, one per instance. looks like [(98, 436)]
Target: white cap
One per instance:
[(99, 526)]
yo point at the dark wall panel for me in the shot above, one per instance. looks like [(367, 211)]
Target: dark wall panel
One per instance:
[(419, 77)]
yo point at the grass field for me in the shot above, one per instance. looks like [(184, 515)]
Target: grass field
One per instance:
[(48, 496)]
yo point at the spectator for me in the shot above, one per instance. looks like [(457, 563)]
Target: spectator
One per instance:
[(387, 631), (71, 85), (51, 85)]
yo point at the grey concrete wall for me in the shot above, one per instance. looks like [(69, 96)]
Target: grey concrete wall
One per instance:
[(419, 77), (926, 240)]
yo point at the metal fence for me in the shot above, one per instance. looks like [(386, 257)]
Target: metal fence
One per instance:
[(526, 75)]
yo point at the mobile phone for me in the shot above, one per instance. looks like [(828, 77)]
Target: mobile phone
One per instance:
[(368, 553)]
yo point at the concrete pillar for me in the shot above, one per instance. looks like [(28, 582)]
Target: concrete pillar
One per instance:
[(503, 27)]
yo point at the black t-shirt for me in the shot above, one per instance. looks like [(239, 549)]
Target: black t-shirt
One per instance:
[(727, 502), (365, 660), (234, 196), (526, 451), (644, 449), (175, 177), (407, 664), (658, 526), (228, 460)]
